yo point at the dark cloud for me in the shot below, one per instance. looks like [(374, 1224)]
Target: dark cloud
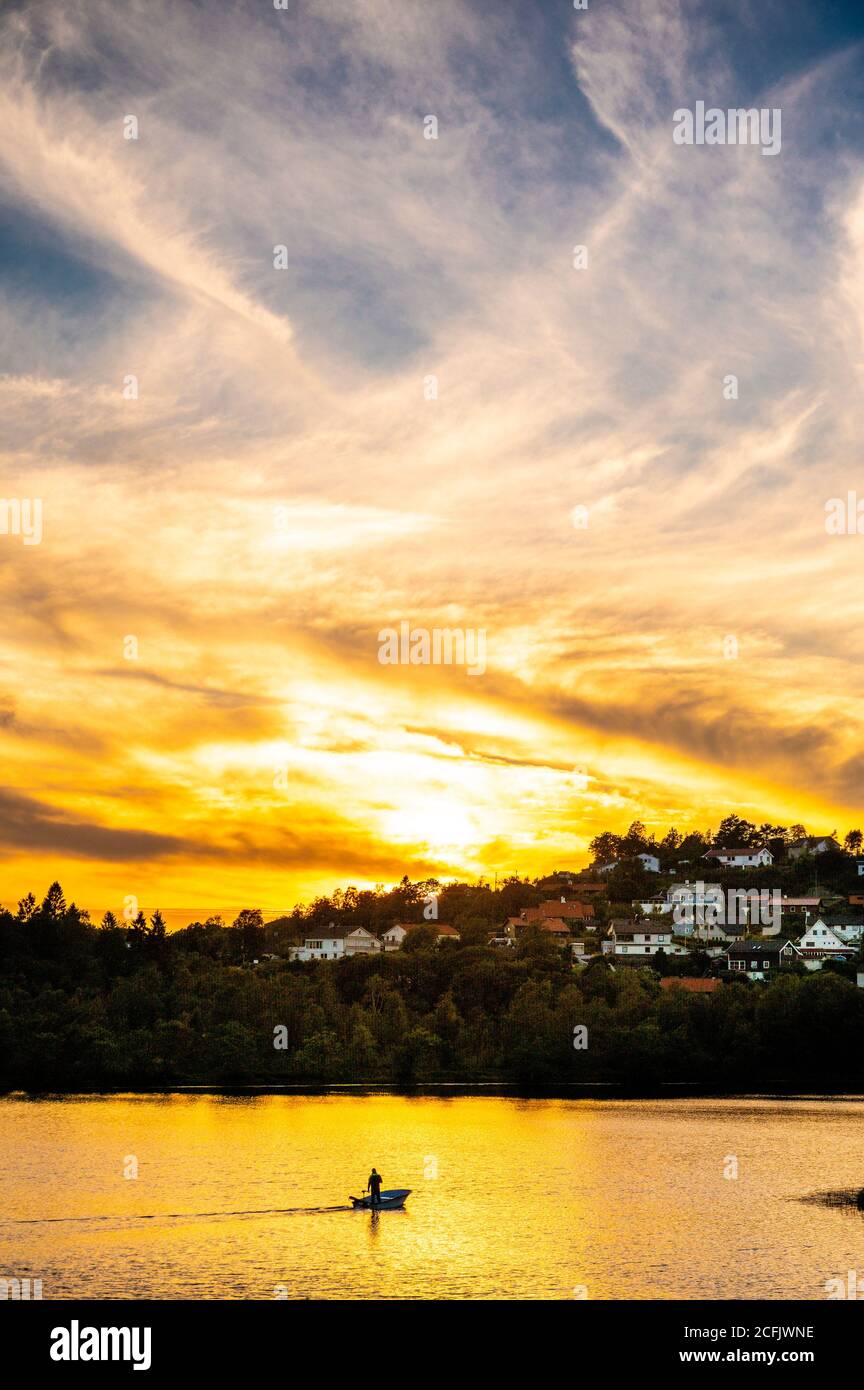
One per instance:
[(691, 724), (28, 824)]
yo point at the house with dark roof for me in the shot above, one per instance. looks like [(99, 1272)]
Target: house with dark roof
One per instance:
[(741, 857), (755, 957), (812, 844), (640, 939)]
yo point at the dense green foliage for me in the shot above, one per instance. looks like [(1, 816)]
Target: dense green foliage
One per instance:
[(128, 1006)]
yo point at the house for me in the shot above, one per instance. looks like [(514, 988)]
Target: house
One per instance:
[(812, 844), (636, 938), (558, 908), (650, 862), (656, 906), (557, 929), (755, 957), (360, 942), (746, 857), (704, 911), (810, 905), (586, 889), (334, 943), (856, 899), (552, 911), (691, 983), (847, 930), (821, 942), (577, 950), (328, 944), (394, 937), (697, 894), (720, 930), (696, 905), (507, 943), (859, 865)]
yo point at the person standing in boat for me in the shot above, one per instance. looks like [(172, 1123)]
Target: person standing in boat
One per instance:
[(373, 1187)]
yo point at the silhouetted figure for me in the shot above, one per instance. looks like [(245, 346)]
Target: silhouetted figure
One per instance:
[(373, 1187)]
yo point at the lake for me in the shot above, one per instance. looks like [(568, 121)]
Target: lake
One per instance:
[(244, 1197)]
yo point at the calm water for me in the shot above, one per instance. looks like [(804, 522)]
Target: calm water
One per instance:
[(511, 1198)]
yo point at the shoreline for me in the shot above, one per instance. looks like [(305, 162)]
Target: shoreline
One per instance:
[(577, 1090)]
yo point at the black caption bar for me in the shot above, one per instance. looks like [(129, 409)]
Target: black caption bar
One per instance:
[(147, 1339)]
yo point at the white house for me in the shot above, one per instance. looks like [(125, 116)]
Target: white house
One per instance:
[(747, 858), (696, 904), (393, 937), (650, 862), (859, 864), (655, 907), (360, 942), (332, 943), (697, 894), (820, 941), (329, 944)]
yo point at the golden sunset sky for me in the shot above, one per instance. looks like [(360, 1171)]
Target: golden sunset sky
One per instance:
[(282, 489)]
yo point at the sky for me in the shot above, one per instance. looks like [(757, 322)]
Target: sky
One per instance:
[(282, 371)]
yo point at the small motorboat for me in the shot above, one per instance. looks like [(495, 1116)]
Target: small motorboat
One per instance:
[(391, 1200)]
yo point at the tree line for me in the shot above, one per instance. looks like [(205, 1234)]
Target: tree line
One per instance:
[(130, 1006)]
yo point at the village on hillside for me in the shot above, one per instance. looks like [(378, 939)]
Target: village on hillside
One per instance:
[(736, 910)]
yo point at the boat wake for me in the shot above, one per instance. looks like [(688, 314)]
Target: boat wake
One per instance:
[(167, 1216)]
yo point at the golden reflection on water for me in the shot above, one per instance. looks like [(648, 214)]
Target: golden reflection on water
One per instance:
[(240, 1197)]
